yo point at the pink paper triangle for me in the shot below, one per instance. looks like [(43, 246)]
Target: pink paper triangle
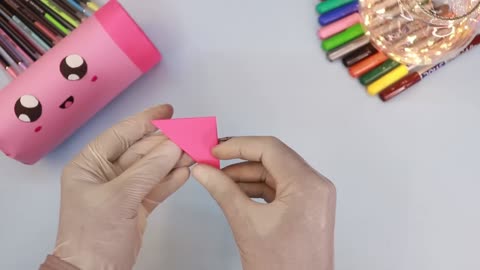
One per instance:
[(195, 136)]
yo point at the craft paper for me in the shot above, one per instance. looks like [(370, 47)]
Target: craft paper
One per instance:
[(195, 136)]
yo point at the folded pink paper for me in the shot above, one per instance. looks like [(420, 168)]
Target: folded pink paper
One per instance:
[(195, 136)]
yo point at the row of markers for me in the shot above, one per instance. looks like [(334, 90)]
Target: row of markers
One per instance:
[(343, 38), (30, 28)]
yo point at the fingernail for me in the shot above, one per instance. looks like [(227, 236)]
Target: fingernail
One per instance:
[(224, 139)]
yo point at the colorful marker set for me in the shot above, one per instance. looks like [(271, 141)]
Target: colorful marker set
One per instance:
[(30, 28), (343, 37)]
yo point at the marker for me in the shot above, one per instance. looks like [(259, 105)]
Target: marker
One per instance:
[(51, 5), (367, 64), (341, 38), (45, 34), (37, 19), (34, 40), (52, 19), (69, 9), (338, 26), (19, 39), (32, 35), (328, 5), (338, 13), (7, 67), (415, 77), (85, 10), (52, 14), (12, 53), (11, 62), (91, 5), (378, 72), (348, 48), (80, 8), (388, 79), (26, 58), (359, 55)]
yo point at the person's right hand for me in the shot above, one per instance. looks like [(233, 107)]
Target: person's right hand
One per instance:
[(295, 230)]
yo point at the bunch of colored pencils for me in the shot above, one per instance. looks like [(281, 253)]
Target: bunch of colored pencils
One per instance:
[(343, 37), (29, 28)]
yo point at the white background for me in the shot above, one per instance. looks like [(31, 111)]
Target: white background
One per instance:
[(407, 172)]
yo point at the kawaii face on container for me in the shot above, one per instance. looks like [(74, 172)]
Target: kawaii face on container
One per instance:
[(29, 108)]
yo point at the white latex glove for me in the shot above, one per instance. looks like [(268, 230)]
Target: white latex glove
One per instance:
[(296, 229), (111, 187)]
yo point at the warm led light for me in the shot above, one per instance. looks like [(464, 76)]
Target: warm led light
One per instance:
[(420, 32)]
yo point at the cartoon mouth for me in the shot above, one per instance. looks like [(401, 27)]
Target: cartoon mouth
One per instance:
[(67, 103), (37, 129)]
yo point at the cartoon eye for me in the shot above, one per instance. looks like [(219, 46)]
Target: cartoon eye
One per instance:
[(28, 109), (73, 67)]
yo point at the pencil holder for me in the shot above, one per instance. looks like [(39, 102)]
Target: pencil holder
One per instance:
[(72, 82), (420, 32)]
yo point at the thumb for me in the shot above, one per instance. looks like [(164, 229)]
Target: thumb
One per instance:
[(223, 189)]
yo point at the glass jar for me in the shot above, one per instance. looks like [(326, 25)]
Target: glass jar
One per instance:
[(420, 32)]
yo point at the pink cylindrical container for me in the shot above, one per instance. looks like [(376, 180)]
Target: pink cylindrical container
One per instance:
[(72, 82)]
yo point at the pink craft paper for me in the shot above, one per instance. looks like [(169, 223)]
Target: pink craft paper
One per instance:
[(195, 136), (64, 105)]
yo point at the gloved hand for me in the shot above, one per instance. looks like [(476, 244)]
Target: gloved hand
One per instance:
[(295, 230), (109, 190)]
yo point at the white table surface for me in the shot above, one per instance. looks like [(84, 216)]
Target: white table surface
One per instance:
[(407, 172)]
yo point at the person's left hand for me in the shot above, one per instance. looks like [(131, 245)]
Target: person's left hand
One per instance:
[(111, 187)]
